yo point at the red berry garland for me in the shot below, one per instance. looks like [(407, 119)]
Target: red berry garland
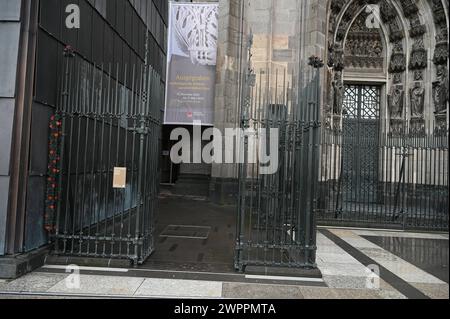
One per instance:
[(52, 172)]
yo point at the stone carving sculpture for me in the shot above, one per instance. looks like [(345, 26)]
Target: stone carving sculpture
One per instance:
[(363, 45), (398, 59), (441, 50), (197, 39), (387, 11), (330, 95), (338, 57), (440, 90), (396, 32), (409, 7), (438, 11), (339, 91), (417, 28), (418, 75), (418, 55), (396, 102), (417, 99)]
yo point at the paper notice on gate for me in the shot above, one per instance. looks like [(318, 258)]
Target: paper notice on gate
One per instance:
[(120, 177)]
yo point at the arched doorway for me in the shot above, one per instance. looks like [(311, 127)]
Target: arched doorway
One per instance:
[(384, 149), (361, 114)]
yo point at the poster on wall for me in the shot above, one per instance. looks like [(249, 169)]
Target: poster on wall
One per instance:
[(191, 63)]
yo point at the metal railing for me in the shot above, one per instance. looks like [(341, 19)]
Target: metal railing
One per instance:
[(276, 224), (103, 198), (405, 188)]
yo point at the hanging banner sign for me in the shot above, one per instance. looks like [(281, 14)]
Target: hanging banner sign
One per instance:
[(191, 63)]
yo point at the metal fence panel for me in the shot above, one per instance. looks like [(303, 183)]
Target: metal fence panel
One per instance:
[(104, 126), (371, 176), (276, 224)]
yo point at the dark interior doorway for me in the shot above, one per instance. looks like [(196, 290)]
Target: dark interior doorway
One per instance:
[(193, 235)]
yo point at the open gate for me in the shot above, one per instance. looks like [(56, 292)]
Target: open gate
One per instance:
[(276, 223), (103, 172)]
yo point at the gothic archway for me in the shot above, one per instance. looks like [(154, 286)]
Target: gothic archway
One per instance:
[(411, 28), (394, 53)]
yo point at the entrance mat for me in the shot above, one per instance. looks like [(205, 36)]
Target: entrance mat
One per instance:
[(190, 232)]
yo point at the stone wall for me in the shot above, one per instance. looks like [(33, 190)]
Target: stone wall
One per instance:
[(9, 50)]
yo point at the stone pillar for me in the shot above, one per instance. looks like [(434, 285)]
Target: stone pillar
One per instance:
[(231, 65)]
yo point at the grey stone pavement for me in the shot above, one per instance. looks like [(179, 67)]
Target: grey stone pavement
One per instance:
[(343, 254)]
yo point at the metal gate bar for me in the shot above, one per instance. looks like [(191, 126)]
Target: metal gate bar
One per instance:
[(109, 122), (276, 224)]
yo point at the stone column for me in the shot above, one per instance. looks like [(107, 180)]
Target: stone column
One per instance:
[(231, 66)]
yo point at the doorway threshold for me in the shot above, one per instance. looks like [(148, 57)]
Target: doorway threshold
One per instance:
[(188, 275)]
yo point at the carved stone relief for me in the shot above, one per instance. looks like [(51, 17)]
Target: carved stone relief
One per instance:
[(396, 33), (418, 75), (417, 100), (363, 47), (440, 90), (409, 8), (398, 59), (338, 93), (440, 127), (441, 50), (387, 11), (338, 57), (438, 12), (330, 94), (417, 127), (396, 102), (397, 127), (440, 59), (397, 79), (417, 29), (419, 55)]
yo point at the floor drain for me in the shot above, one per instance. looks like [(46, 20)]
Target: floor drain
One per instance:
[(191, 232)]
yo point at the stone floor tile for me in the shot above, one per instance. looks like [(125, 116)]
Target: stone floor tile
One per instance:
[(34, 282), (101, 285), (252, 291), (347, 282), (180, 288), (434, 291), (358, 294)]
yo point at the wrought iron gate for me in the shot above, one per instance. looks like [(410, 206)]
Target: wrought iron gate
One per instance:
[(103, 172), (373, 176), (276, 225), (361, 133)]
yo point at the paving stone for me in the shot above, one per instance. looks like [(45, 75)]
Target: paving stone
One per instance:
[(34, 282), (318, 293), (328, 293), (434, 291), (180, 288), (342, 269), (357, 294), (349, 282), (101, 285), (386, 291), (255, 291)]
